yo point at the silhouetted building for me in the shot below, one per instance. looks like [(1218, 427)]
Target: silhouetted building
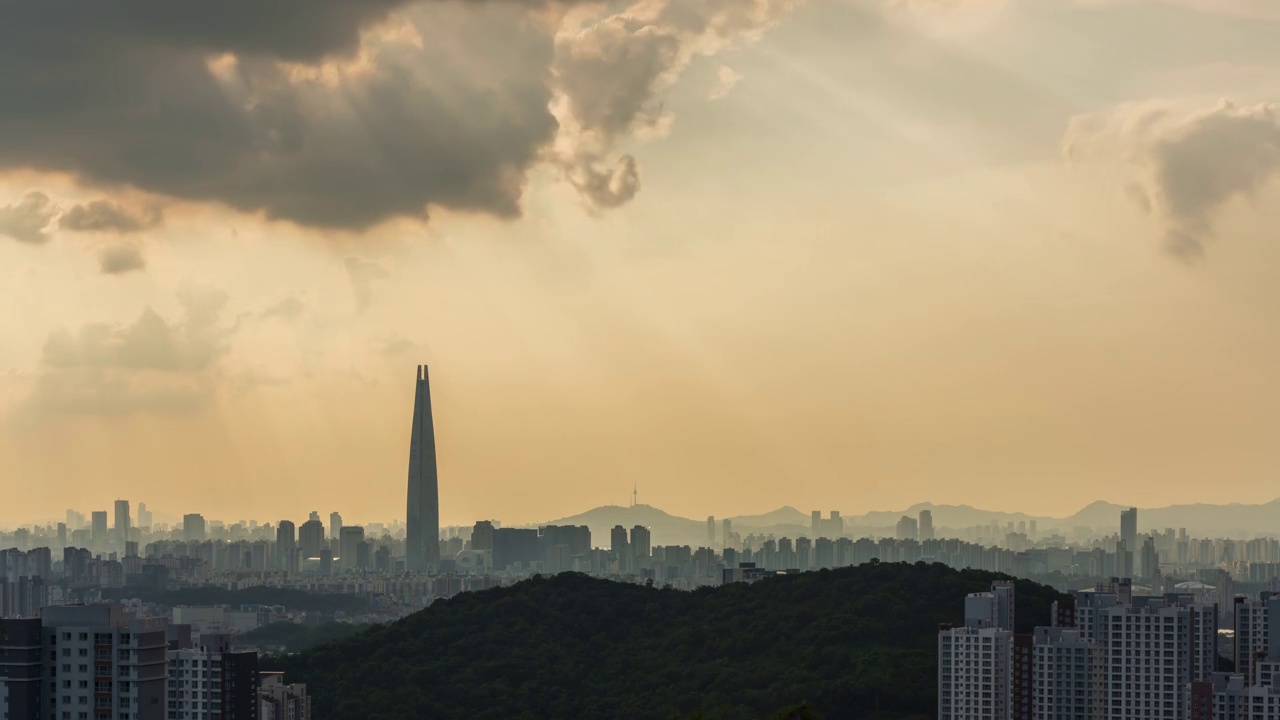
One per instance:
[(311, 538), (1129, 529), (21, 669), (335, 531), (640, 546), (348, 543), (482, 535), (422, 546), (193, 527), (286, 544), (926, 525), (513, 546), (620, 548), (907, 528), (99, 528)]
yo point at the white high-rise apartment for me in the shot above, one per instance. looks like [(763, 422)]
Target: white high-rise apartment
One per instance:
[(1068, 676), (1154, 648), (1254, 640), (278, 701), (974, 678), (209, 681), (1228, 697), (975, 675), (103, 662)]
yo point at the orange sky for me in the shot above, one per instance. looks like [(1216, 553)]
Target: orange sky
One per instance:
[(871, 254)]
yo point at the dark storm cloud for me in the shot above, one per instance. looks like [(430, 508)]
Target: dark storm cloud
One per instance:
[(346, 113), (122, 93)]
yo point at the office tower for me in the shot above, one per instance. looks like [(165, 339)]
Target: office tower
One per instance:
[(278, 701), (618, 544), (1031, 529), (482, 535), (512, 546), (193, 527), (1129, 529), (926, 525), (314, 516), (906, 529), (711, 531), (144, 516), (574, 539), (640, 545), (105, 659), (348, 538), (725, 529), (122, 521), (335, 530), (311, 537), (286, 543), (100, 528), (422, 539), (212, 664), (62, 534), (815, 523), (1149, 565)]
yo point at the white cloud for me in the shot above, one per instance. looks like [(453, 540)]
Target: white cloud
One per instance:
[(726, 80)]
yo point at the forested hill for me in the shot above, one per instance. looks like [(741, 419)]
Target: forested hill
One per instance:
[(855, 642)]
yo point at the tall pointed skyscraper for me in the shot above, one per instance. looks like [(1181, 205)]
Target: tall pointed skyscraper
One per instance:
[(423, 518)]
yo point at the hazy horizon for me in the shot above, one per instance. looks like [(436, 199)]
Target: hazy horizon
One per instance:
[(847, 254)]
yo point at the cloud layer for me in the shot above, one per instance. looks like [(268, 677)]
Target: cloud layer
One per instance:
[(340, 114), (108, 216), (28, 219), (153, 364), (1189, 165)]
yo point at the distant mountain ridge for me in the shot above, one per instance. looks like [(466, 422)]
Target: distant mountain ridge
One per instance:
[(1101, 516)]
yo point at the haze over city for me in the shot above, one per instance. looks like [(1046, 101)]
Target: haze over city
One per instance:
[(859, 255)]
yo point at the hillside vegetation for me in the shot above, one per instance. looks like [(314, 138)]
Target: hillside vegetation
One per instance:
[(854, 642)]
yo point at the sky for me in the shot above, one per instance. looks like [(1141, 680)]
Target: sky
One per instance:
[(738, 254)]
